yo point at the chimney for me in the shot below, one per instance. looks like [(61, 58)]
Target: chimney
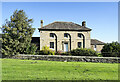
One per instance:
[(41, 23), (84, 23)]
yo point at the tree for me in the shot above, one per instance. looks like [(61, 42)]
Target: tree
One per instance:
[(111, 49), (17, 34)]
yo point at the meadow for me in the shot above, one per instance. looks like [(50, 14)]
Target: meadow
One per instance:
[(16, 69)]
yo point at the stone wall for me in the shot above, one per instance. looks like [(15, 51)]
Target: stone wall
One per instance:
[(69, 58)]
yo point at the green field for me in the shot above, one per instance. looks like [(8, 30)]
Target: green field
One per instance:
[(16, 69)]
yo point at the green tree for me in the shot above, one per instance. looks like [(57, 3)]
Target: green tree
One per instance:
[(17, 34), (111, 49), (31, 49)]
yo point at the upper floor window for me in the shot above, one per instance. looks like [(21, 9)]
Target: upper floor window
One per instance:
[(79, 35), (79, 44), (52, 35), (52, 45), (66, 35)]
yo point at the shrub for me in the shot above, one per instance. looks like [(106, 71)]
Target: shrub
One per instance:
[(50, 52), (46, 51), (45, 48), (111, 50), (83, 52), (59, 52), (99, 55), (66, 53), (39, 52), (31, 49)]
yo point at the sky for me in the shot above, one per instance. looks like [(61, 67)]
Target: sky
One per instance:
[(101, 17)]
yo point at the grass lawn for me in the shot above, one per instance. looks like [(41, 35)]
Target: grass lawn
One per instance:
[(16, 69)]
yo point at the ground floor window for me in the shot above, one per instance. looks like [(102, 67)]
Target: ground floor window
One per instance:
[(95, 47), (79, 44), (52, 45)]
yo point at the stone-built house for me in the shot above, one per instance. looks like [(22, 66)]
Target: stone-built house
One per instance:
[(96, 45), (65, 36)]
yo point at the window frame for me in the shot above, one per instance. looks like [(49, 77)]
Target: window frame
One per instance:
[(52, 45), (65, 35), (80, 35), (80, 44), (51, 35), (95, 46)]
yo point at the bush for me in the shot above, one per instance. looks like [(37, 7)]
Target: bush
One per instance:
[(59, 52), (66, 53), (99, 55), (111, 50), (31, 49), (83, 52), (46, 51)]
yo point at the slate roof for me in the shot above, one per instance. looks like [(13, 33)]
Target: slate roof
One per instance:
[(59, 25), (96, 42)]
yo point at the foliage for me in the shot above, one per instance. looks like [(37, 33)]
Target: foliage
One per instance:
[(17, 34), (46, 51), (83, 52), (59, 52), (45, 48), (31, 49), (99, 55), (111, 50), (66, 53)]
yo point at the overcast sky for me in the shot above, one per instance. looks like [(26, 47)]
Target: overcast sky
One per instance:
[(101, 17)]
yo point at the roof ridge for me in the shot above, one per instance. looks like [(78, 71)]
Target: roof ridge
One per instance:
[(57, 25), (58, 21), (62, 21)]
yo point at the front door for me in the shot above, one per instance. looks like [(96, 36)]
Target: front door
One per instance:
[(65, 47)]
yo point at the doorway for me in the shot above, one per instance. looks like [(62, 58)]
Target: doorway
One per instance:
[(65, 47)]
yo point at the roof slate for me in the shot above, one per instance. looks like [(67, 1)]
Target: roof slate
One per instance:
[(96, 42), (58, 25)]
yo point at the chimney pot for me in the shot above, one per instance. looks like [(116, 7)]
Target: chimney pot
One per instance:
[(41, 23), (84, 23)]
